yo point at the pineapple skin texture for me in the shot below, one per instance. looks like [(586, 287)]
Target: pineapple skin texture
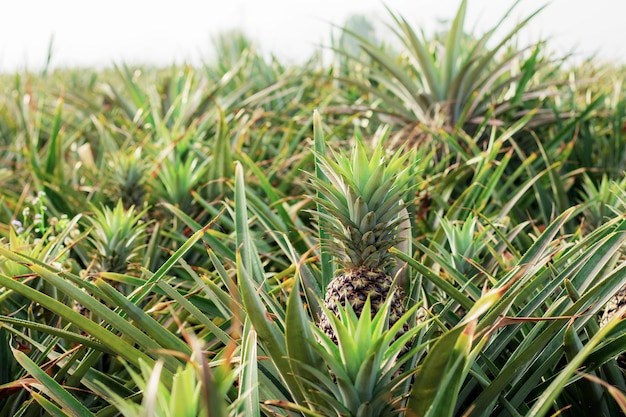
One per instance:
[(353, 287)]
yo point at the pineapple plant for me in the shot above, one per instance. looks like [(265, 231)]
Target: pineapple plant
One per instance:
[(117, 237), (127, 180), (360, 206)]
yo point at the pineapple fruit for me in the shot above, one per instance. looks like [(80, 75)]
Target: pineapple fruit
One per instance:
[(362, 213)]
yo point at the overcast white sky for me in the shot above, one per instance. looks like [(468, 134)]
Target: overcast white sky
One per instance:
[(99, 33)]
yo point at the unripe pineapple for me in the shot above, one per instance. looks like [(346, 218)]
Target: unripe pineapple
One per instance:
[(362, 211)]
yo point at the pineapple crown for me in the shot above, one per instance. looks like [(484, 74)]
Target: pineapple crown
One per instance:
[(361, 207)]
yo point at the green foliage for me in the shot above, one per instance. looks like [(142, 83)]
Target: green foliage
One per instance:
[(452, 80), (117, 236), (196, 390), (360, 197), (158, 255)]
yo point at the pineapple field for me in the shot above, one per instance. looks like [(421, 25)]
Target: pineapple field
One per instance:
[(430, 225)]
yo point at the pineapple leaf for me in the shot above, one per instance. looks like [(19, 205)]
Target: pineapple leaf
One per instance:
[(440, 377), (362, 202)]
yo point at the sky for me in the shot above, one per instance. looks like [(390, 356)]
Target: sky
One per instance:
[(95, 33)]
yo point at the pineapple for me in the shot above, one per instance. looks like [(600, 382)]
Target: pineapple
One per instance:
[(362, 213)]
